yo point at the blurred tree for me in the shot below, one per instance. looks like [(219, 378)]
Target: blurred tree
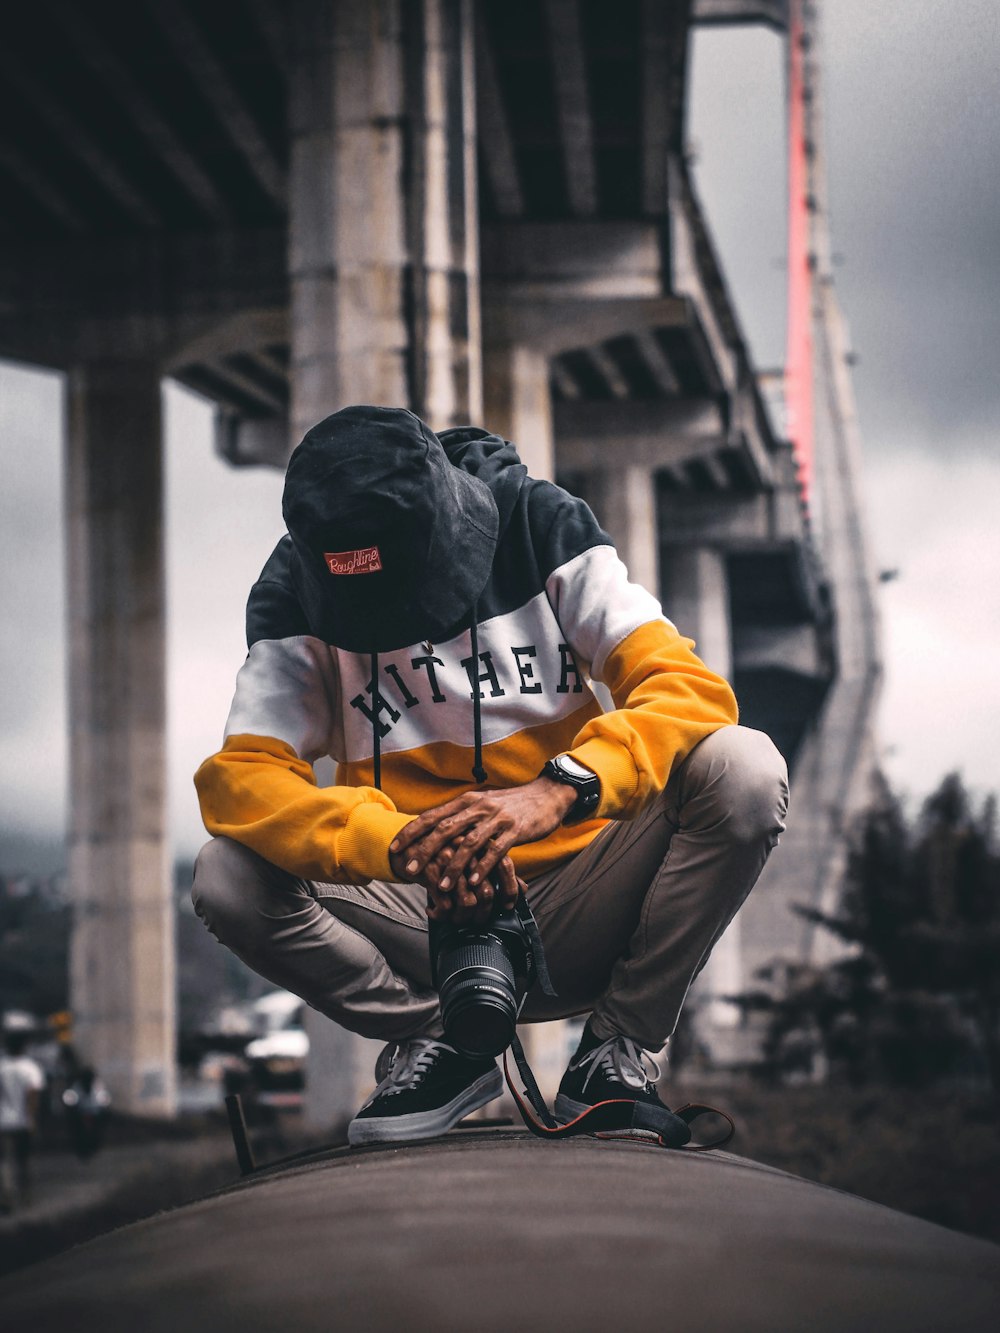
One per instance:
[(915, 998)]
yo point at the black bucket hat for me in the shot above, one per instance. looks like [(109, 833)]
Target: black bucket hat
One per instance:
[(393, 543)]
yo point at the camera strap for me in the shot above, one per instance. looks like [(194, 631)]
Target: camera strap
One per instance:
[(534, 938), (670, 1129)]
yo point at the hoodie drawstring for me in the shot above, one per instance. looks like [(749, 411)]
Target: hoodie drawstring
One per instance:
[(376, 734), (478, 772)]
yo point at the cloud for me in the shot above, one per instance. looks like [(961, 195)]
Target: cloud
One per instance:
[(941, 703), (222, 524), (740, 171), (912, 123), (33, 747), (912, 130)]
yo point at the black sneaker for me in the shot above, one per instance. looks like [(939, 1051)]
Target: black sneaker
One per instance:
[(606, 1071), (425, 1087)]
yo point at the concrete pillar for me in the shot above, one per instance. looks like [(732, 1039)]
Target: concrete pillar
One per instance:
[(625, 500), (122, 958), (384, 266), (696, 598), (518, 404), (383, 232)]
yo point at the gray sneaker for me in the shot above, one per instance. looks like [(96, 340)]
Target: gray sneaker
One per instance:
[(425, 1087), (606, 1071)]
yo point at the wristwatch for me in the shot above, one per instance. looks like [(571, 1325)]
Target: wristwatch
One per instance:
[(564, 768)]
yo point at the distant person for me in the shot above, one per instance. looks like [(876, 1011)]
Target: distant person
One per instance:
[(21, 1084), (87, 1103), (432, 621)]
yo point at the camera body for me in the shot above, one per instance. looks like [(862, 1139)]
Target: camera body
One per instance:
[(482, 974)]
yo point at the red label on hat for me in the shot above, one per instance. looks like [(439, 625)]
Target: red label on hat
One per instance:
[(365, 561)]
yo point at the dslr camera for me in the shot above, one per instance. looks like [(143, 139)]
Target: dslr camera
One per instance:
[(482, 974)]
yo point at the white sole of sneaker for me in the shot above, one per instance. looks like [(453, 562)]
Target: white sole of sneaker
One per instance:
[(566, 1109), (427, 1124)]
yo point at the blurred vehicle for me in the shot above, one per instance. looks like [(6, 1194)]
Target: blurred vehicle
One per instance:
[(264, 1054), (277, 1068)]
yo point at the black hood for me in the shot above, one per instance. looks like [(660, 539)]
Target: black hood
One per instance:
[(394, 530), (491, 460)]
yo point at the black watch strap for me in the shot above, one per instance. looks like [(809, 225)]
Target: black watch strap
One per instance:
[(586, 784)]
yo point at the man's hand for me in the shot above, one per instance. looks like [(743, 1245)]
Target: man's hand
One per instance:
[(460, 902), (454, 848)]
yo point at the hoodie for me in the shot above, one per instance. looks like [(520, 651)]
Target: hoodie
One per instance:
[(405, 727)]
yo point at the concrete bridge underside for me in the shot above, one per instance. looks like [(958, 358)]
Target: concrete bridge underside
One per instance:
[(483, 212)]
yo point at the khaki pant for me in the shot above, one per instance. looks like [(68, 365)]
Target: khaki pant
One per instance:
[(627, 924)]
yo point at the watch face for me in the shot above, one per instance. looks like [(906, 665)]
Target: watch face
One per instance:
[(574, 770)]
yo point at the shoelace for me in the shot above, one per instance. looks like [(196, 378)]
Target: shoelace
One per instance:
[(622, 1060), (403, 1064)]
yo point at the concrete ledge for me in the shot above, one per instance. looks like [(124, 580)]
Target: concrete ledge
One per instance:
[(494, 1230)]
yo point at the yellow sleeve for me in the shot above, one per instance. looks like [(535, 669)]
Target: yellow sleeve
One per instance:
[(257, 791), (666, 701)]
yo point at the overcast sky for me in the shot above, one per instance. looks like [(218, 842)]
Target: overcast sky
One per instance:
[(913, 149), (913, 128)]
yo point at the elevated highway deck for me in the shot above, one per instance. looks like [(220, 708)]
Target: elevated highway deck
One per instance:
[(483, 211)]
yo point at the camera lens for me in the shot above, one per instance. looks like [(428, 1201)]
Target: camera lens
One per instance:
[(478, 994)]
